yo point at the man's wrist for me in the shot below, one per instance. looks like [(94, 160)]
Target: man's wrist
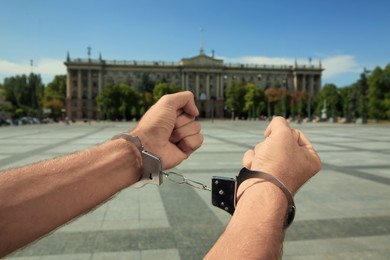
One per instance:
[(130, 152), (265, 192), (257, 176), (151, 164), (267, 204)]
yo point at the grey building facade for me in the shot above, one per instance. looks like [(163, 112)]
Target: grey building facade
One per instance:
[(206, 76)]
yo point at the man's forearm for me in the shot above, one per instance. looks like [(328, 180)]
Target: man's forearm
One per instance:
[(37, 199), (256, 228)]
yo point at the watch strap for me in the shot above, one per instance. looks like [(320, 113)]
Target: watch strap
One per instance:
[(248, 174), (224, 191)]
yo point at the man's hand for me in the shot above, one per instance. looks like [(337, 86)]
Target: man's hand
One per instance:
[(169, 130), (286, 153)]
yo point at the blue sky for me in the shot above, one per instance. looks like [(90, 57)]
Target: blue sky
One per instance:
[(345, 35)]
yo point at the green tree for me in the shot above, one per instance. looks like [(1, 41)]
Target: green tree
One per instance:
[(347, 99), (146, 102), (298, 99), (129, 101), (35, 89), (254, 100), (162, 89), (5, 106), (235, 98), (25, 93), (118, 102), (330, 95), (146, 85), (15, 90), (378, 93), (386, 100), (276, 104), (361, 90), (54, 96), (109, 101)]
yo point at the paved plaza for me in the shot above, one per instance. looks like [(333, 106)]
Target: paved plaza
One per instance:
[(343, 213)]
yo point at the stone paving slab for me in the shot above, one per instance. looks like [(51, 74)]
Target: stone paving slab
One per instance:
[(343, 213)]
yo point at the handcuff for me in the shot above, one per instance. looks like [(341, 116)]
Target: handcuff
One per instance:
[(223, 189), (224, 192), (152, 164)]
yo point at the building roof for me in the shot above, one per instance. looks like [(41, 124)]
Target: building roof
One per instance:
[(201, 60)]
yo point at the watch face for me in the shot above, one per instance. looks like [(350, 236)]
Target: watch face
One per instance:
[(223, 193)]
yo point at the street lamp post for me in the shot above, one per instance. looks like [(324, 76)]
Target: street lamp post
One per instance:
[(285, 87), (362, 108)]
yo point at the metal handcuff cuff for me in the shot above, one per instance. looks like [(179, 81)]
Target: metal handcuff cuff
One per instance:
[(223, 189), (152, 165)]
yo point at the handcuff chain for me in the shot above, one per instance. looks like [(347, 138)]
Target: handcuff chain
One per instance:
[(181, 179)]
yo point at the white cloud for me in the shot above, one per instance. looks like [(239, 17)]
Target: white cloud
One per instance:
[(337, 65), (47, 68), (334, 65)]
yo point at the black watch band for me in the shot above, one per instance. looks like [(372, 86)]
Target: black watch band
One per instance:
[(224, 191)]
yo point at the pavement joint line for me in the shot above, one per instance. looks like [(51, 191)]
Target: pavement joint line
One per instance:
[(183, 208), (33, 133), (382, 166), (354, 149), (338, 228), (356, 173), (353, 138), (20, 156), (343, 170)]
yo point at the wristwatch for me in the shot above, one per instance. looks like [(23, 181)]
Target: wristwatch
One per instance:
[(224, 191), (152, 165)]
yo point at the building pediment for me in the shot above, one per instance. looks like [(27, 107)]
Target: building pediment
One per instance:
[(202, 60)]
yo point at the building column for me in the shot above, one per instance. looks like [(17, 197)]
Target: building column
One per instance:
[(197, 86), (89, 104), (182, 77), (187, 83), (68, 86), (68, 100), (100, 83), (304, 87), (218, 87), (79, 95), (222, 87), (311, 85), (208, 86), (79, 89), (100, 114), (295, 81)]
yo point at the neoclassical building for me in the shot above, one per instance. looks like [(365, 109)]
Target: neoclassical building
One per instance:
[(206, 76)]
